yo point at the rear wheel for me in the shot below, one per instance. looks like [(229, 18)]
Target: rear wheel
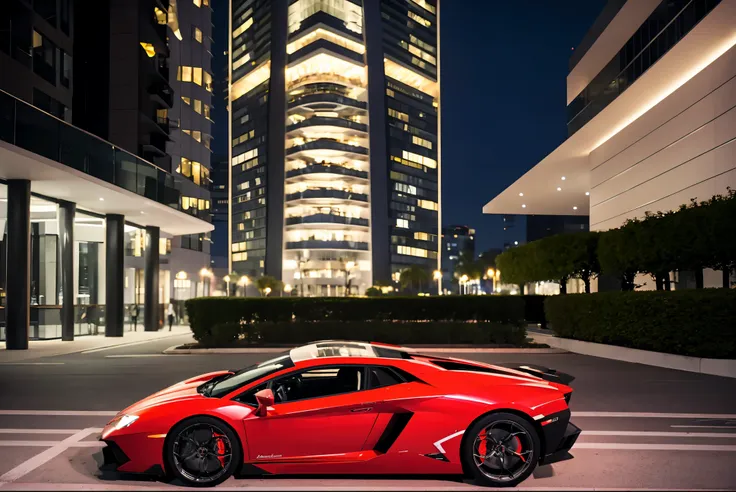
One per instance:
[(501, 449), (202, 451)]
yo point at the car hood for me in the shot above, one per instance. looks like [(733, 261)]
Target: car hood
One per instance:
[(184, 390)]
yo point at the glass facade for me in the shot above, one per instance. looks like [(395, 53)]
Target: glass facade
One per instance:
[(322, 177), (664, 28)]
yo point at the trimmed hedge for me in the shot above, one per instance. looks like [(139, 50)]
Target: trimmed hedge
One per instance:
[(221, 321), (698, 323), (534, 309)]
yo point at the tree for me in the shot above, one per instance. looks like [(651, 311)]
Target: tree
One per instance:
[(373, 292), (413, 278), (655, 246), (614, 255), (720, 231), (268, 282)]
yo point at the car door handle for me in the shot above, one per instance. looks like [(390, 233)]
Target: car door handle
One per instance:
[(361, 409)]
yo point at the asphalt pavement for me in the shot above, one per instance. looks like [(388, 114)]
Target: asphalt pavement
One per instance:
[(643, 427)]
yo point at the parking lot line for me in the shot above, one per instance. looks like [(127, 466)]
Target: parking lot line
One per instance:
[(39, 431), (40, 459)]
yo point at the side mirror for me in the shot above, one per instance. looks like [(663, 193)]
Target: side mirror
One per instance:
[(265, 399)]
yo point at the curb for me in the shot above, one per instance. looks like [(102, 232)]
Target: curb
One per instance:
[(713, 367), (449, 350)]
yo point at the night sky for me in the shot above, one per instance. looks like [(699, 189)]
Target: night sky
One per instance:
[(503, 69)]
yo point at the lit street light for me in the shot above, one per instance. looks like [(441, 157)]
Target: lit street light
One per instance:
[(267, 291), (438, 278), (463, 284), (226, 278), (491, 273), (244, 281)]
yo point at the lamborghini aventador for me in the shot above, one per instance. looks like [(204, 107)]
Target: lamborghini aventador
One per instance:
[(342, 407)]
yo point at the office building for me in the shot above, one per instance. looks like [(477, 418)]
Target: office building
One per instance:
[(334, 130), (87, 225), (144, 82), (651, 95), (457, 242)]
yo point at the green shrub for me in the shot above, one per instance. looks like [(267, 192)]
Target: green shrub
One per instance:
[(534, 309), (698, 323), (447, 319)]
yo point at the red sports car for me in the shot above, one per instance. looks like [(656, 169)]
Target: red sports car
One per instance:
[(339, 407)]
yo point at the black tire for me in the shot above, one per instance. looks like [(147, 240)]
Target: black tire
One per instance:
[(510, 446), (200, 459)]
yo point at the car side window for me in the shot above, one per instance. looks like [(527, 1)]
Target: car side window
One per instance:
[(379, 377), (249, 397), (318, 383)]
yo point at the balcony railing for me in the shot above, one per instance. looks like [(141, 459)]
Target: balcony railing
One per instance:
[(327, 144), (325, 121), (324, 169), (326, 98), (327, 193), (34, 130), (316, 244), (327, 219)]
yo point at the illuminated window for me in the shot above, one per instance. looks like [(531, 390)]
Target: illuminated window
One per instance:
[(160, 16), (407, 250), (345, 10), (197, 77), (421, 236), (197, 34), (426, 6), (198, 3), (402, 223), (421, 44), (243, 27), (208, 81), (239, 159), (196, 172), (390, 92), (419, 19), (198, 106), (206, 111), (418, 52), (428, 204), (149, 49), (398, 115), (186, 167), (197, 135), (241, 61), (186, 74), (186, 100), (251, 81), (419, 159), (420, 141), (410, 77), (206, 3)]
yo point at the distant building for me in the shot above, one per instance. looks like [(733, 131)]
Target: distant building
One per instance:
[(513, 232), (456, 241)]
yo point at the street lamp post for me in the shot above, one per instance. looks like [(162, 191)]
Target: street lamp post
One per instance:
[(438, 278), (244, 280), (464, 284), (348, 267), (491, 273), (205, 273), (226, 278)]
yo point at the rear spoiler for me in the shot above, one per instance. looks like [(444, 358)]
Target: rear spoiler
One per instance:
[(545, 373)]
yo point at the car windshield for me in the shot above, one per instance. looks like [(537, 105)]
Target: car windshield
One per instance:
[(220, 387)]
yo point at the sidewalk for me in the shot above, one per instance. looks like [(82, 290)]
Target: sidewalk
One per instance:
[(50, 348)]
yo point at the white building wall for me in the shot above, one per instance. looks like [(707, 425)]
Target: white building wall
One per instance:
[(683, 148)]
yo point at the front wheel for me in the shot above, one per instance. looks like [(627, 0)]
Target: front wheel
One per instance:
[(501, 450), (202, 451)]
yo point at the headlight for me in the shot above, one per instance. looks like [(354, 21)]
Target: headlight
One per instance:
[(123, 422)]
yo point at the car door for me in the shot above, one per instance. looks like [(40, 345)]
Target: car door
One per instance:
[(323, 410)]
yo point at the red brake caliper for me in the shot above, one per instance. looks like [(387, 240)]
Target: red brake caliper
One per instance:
[(220, 449), (519, 450), (482, 445)]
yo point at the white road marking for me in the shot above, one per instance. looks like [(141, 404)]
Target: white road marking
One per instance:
[(31, 363), (130, 356), (438, 444), (39, 431), (653, 447), (48, 444), (703, 426), (40, 459), (131, 344), (651, 415), (657, 434), (61, 413)]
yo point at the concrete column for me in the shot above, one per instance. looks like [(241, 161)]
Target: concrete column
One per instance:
[(150, 274), (67, 210), (114, 277), (18, 272)]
